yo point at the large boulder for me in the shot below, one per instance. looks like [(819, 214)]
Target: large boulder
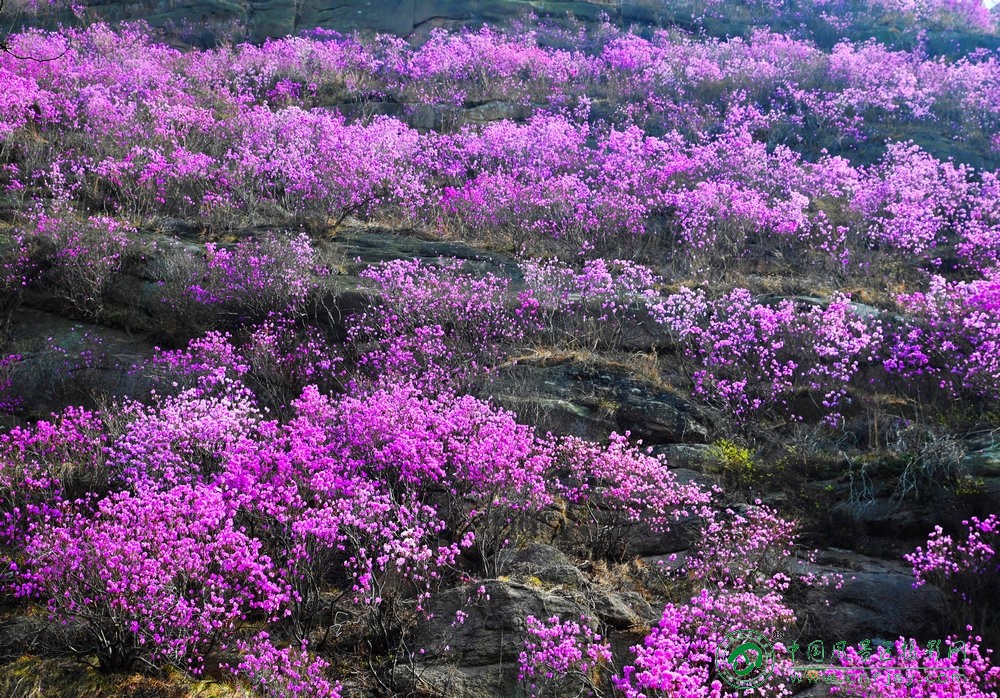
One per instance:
[(591, 401), (390, 16), (659, 418), (984, 458), (66, 362), (494, 628), (877, 600), (425, 679)]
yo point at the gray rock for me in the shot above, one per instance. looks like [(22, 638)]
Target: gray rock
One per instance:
[(666, 563), (496, 111), (539, 555), (274, 18), (990, 493), (392, 16), (51, 345), (686, 456), (548, 565), (687, 477), (494, 629), (622, 610), (880, 518), (556, 415), (879, 602), (865, 311), (566, 576), (591, 402), (426, 10), (466, 682), (985, 460), (644, 542), (661, 418), (373, 244)]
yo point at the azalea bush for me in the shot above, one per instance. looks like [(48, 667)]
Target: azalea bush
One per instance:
[(965, 567), (621, 491), (437, 325), (599, 304), (677, 658), (751, 356), (561, 655), (255, 278), (277, 673), (957, 667), (950, 339), (76, 260), (173, 593)]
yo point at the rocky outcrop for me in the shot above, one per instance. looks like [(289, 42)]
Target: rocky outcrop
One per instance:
[(983, 460), (877, 600), (472, 640), (275, 18), (494, 627), (61, 360), (413, 18), (590, 401)]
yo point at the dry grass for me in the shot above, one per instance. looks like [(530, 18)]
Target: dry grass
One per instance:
[(33, 677), (646, 368)]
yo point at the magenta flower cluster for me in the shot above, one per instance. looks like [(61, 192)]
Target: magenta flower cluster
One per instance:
[(557, 652), (703, 148), (955, 668), (164, 537), (284, 673), (435, 325), (677, 658), (750, 354)]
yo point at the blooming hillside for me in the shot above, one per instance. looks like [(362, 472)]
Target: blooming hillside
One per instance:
[(533, 358)]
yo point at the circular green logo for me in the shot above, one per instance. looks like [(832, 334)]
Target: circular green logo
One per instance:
[(745, 659)]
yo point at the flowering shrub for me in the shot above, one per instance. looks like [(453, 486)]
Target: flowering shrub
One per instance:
[(277, 360), (256, 278), (9, 401), (206, 363), (163, 575), (699, 140), (620, 489), (969, 566), (47, 464), (182, 439), (279, 673), (963, 670), (561, 653), (542, 177), (910, 198), (437, 325), (742, 347), (597, 304), (677, 658), (743, 551), (319, 168), (283, 359), (263, 485), (76, 260), (491, 471), (754, 355), (952, 337)]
